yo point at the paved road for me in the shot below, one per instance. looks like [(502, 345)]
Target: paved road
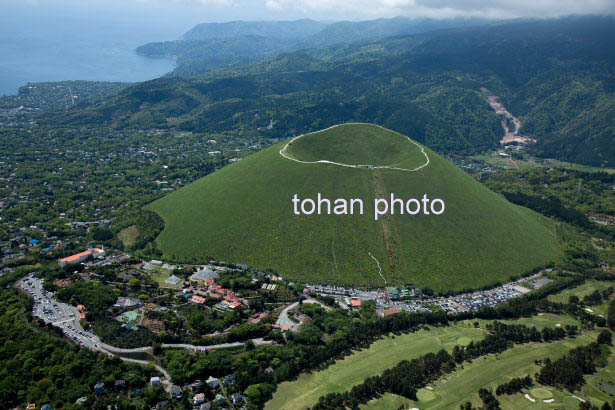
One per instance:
[(286, 322)]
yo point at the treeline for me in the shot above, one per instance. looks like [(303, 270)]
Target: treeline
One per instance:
[(502, 335), (407, 376), (515, 385), (549, 206), (489, 400), (597, 297), (94, 295), (567, 372)]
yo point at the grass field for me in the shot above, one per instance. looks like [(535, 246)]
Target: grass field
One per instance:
[(160, 275), (463, 384), (244, 214), (352, 370), (129, 235)]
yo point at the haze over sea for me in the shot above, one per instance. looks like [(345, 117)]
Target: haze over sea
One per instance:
[(41, 44)]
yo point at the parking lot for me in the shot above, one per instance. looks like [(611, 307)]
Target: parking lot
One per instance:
[(59, 314)]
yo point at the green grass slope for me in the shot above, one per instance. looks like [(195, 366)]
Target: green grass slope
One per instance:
[(244, 214)]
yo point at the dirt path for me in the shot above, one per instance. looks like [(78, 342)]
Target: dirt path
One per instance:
[(389, 236), (379, 268)]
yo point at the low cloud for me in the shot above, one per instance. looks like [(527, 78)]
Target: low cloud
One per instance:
[(445, 8)]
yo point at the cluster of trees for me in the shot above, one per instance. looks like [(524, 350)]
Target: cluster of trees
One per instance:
[(597, 297), (94, 295), (588, 406), (567, 372), (564, 194), (149, 225), (611, 315), (490, 402), (501, 336), (515, 385)]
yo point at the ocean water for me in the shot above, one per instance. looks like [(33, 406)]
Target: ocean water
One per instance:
[(38, 44)]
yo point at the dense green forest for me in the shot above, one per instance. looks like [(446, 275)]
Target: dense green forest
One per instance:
[(556, 75)]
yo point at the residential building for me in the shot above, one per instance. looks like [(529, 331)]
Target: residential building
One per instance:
[(199, 398), (99, 388), (238, 398), (213, 383)]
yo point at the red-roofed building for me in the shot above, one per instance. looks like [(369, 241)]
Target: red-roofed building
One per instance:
[(82, 311), (74, 259), (198, 299), (232, 298), (356, 302)]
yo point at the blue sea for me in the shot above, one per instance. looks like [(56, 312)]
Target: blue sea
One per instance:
[(43, 44)]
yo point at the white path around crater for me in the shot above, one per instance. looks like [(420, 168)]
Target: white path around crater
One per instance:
[(324, 161)]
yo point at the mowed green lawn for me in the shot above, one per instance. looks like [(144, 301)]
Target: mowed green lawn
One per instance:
[(488, 372), (352, 370)]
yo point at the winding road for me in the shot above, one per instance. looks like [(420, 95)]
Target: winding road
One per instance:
[(284, 321), (66, 317)]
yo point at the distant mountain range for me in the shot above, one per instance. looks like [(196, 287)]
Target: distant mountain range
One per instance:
[(557, 76), (209, 47)]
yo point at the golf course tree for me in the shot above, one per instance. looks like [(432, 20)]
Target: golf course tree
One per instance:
[(605, 338), (515, 385), (567, 372), (588, 406), (490, 402), (611, 315)]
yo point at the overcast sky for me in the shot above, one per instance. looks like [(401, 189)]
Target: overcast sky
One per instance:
[(170, 18)]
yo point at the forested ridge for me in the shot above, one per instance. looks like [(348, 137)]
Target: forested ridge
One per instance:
[(556, 75)]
